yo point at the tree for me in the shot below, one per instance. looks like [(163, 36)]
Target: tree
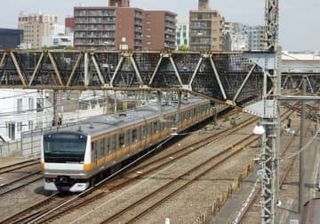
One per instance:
[(183, 48)]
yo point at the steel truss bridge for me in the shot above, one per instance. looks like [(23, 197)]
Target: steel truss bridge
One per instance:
[(294, 80), (225, 77)]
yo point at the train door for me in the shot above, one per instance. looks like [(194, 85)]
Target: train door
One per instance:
[(107, 150), (128, 140), (144, 131), (94, 155)]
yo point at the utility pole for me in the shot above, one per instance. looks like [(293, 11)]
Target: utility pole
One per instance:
[(270, 146), (55, 117), (301, 163)]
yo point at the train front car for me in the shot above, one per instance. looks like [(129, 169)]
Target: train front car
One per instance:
[(63, 156)]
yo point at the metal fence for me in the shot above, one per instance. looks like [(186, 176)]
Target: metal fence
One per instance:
[(28, 145), (10, 149), (31, 142), (207, 217)]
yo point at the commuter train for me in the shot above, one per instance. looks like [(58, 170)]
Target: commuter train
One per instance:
[(72, 157)]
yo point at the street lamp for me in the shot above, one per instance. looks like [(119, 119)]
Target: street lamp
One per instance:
[(259, 129)]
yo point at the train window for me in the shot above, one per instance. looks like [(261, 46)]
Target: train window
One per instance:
[(128, 137), (155, 127), (94, 151), (102, 148), (143, 131), (107, 146), (150, 129), (162, 125), (134, 135), (121, 140), (97, 148), (113, 143), (146, 129), (139, 133)]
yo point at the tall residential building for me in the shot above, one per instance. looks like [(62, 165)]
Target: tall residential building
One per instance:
[(58, 38), (35, 27), (206, 28), (10, 38), (106, 27), (238, 32), (182, 38), (159, 30), (245, 37), (69, 25), (256, 38)]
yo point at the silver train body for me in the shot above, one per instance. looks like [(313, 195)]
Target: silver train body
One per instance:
[(72, 156)]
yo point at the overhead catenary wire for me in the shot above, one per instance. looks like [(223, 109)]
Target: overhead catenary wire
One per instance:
[(306, 146), (15, 112)]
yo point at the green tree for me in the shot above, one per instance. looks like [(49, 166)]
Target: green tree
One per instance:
[(183, 48)]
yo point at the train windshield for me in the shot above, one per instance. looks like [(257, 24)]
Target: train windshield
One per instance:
[(64, 147)]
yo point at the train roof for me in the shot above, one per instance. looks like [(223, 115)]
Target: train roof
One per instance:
[(98, 125)]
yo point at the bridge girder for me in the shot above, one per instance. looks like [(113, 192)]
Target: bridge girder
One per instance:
[(223, 76), (291, 80)]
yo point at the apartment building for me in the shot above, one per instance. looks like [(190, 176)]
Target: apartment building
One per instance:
[(69, 25), (182, 38), (245, 37), (35, 27), (159, 30), (206, 28), (239, 38), (104, 27), (10, 38), (107, 27), (256, 37)]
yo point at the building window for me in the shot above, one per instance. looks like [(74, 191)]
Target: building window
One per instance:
[(19, 105), (40, 104), (30, 125), (31, 102), (11, 130), (19, 127), (39, 124)]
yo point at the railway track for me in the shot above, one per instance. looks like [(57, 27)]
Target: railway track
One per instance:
[(39, 208), (18, 166), (178, 154), (175, 186), (154, 165), (57, 210), (85, 200), (19, 183), (239, 147), (284, 175)]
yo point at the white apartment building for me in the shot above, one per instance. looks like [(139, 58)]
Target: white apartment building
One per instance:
[(57, 37), (35, 27), (245, 37), (239, 39), (256, 38), (22, 110), (182, 37)]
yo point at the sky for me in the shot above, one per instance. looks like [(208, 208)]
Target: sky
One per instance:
[(299, 20)]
